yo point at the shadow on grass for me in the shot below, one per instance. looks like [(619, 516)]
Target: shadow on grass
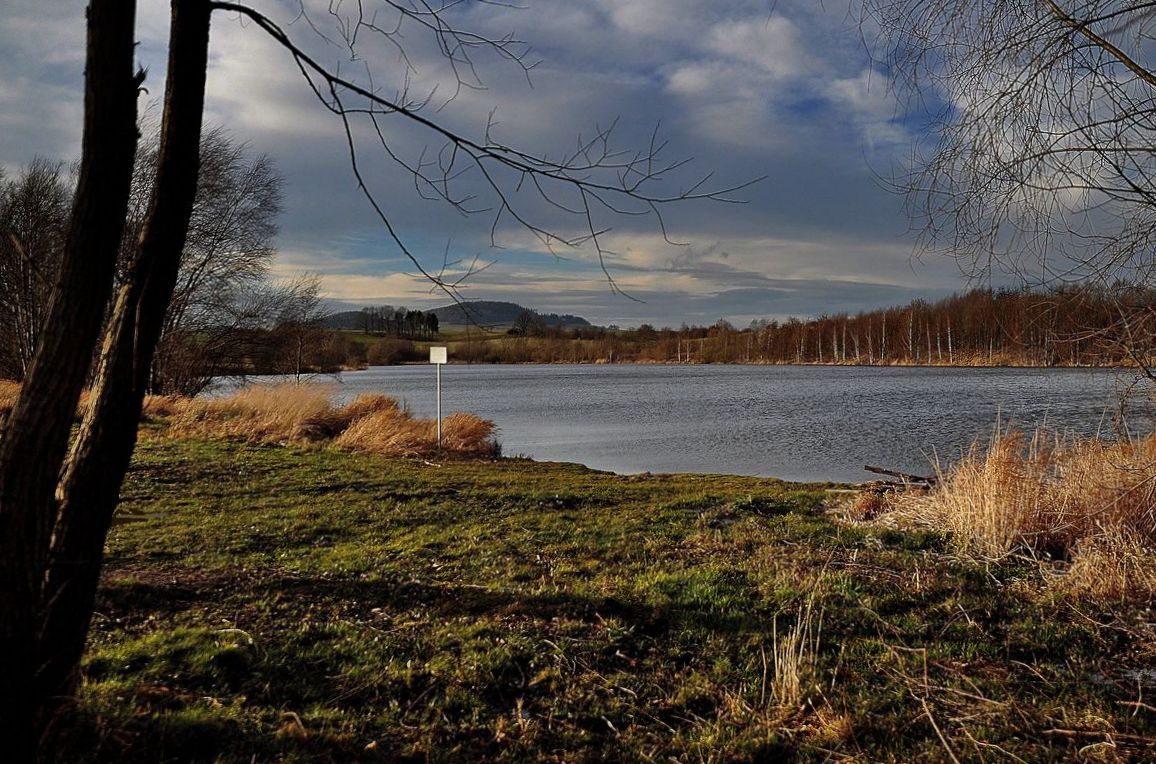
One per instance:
[(318, 645)]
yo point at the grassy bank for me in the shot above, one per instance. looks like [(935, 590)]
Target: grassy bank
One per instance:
[(297, 603)]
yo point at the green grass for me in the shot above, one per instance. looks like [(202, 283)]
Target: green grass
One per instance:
[(282, 604)]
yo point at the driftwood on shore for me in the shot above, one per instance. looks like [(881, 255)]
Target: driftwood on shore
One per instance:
[(906, 477)]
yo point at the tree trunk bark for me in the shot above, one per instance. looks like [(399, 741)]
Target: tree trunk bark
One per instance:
[(100, 456), (36, 435)]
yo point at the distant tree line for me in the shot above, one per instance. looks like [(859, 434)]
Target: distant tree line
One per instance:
[(1076, 326)]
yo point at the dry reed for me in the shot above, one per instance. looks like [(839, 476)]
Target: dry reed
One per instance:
[(288, 413), (1116, 566), (160, 406), (1086, 500), (259, 413), (9, 391), (1042, 495), (303, 414)]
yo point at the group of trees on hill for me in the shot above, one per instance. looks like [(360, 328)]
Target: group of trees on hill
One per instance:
[(399, 322), (1069, 327)]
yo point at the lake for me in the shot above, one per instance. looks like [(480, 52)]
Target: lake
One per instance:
[(810, 423)]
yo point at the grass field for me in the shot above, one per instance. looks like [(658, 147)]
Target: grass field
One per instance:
[(266, 603)]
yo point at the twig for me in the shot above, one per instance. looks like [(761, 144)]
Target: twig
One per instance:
[(939, 732)]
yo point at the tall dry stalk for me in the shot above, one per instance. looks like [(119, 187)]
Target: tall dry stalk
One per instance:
[(794, 655)]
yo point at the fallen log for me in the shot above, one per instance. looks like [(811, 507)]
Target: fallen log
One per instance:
[(904, 476), (881, 487)]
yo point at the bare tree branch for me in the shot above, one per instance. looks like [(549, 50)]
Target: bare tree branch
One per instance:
[(593, 176)]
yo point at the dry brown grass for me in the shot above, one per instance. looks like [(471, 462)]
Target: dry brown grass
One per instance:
[(1081, 499), (259, 413), (388, 431), (465, 433), (1043, 495), (10, 391), (8, 394), (1112, 567), (395, 432), (867, 505), (303, 414), (158, 406), (289, 413)]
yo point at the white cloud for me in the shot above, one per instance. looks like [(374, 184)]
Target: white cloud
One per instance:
[(772, 46), (747, 87)]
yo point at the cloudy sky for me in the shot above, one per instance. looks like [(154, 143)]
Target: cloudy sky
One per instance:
[(782, 90)]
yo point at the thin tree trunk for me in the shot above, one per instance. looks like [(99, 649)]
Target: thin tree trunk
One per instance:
[(100, 456), (36, 436)]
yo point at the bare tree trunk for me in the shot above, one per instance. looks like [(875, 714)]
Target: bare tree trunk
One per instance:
[(100, 456), (36, 436)]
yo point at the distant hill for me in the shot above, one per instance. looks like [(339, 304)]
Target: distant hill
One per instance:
[(346, 319), (493, 313), (481, 312)]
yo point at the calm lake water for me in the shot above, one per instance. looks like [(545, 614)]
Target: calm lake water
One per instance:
[(812, 423)]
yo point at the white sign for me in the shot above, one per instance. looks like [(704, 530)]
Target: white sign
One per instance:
[(437, 355)]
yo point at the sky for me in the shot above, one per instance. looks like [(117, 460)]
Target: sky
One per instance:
[(784, 91)]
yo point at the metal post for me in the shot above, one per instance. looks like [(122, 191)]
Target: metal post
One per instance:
[(437, 356)]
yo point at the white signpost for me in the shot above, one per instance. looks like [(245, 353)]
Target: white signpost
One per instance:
[(437, 356)]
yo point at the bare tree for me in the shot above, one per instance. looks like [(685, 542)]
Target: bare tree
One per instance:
[(528, 323), (224, 266), (33, 218), (1037, 157), (221, 287), (299, 315), (57, 499)]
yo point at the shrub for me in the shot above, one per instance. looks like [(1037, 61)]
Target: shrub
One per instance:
[(389, 352)]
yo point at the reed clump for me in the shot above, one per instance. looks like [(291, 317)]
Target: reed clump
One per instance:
[(161, 406), (1116, 566), (9, 391), (258, 413), (1083, 500), (303, 414)]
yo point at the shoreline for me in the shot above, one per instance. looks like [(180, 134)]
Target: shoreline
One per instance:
[(802, 364)]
